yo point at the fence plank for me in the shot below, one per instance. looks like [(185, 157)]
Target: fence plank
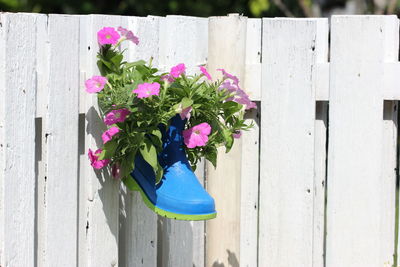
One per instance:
[(252, 81), (62, 168), (138, 232), (17, 139), (223, 183), (287, 143), (182, 242), (249, 191), (99, 214), (360, 184)]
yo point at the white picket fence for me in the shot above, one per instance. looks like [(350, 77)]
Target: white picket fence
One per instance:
[(293, 192)]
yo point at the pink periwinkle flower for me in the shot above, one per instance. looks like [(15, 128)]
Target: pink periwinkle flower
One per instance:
[(205, 72), (128, 35), (145, 90), (115, 116), (177, 70), (116, 171), (197, 135), (108, 35), (94, 159), (95, 84), (107, 135), (237, 134), (185, 114)]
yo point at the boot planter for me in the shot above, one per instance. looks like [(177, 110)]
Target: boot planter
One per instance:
[(160, 125), (179, 194)]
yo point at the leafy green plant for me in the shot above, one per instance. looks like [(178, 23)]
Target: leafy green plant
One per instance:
[(137, 101)]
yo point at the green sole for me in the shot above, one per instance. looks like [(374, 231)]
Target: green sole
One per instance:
[(132, 185)]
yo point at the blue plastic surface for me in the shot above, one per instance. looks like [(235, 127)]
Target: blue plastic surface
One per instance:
[(179, 190)]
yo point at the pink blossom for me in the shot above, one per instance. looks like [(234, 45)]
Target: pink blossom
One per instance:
[(94, 159), (128, 35), (95, 84), (108, 35), (185, 114), (115, 116), (229, 86), (167, 78), (116, 171), (107, 135), (237, 134), (229, 76), (177, 70), (205, 72), (145, 90), (197, 135)]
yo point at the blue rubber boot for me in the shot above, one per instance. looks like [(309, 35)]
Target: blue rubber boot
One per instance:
[(179, 195)]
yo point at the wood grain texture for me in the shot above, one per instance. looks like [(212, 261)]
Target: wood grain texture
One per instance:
[(138, 224), (287, 142), (61, 139), (182, 242), (224, 182), (360, 183), (99, 211), (17, 139)]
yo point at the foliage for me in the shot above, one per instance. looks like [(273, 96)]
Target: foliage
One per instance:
[(137, 101)]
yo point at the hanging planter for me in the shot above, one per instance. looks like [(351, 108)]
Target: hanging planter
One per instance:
[(160, 125)]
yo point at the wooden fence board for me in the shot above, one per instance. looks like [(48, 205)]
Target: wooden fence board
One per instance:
[(360, 219), (99, 191), (287, 142), (138, 224), (182, 242), (17, 139), (223, 183), (61, 139)]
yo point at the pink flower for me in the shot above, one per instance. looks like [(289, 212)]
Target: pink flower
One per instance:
[(197, 135), (185, 114), (167, 78), (115, 116), (108, 35), (237, 134), (177, 70), (94, 159), (205, 72), (229, 76), (145, 90), (128, 35), (95, 84), (116, 171), (107, 135)]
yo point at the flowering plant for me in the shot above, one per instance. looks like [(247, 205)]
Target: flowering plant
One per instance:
[(136, 99)]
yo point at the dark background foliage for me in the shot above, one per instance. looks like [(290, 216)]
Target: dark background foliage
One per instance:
[(205, 8)]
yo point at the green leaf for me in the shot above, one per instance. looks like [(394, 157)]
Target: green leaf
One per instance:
[(149, 153), (186, 102), (116, 60), (136, 63), (159, 173), (228, 139), (128, 164), (211, 156), (108, 150)]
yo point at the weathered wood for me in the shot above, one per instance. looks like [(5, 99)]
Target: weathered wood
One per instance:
[(100, 193), (249, 191), (287, 142), (61, 139), (138, 224), (223, 183), (252, 79), (17, 139), (361, 177), (182, 242)]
